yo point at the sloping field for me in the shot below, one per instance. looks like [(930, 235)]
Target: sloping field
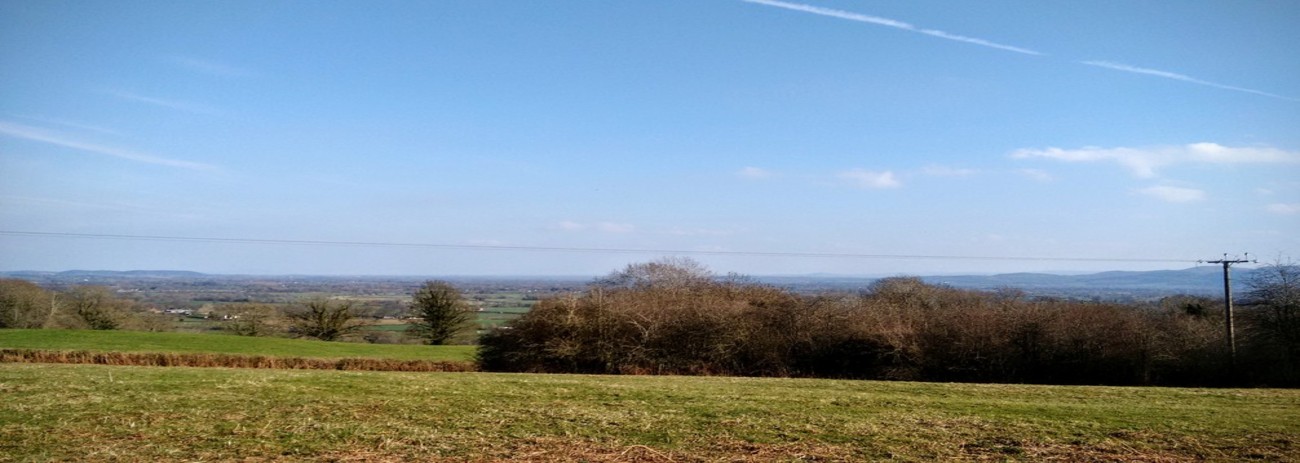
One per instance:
[(112, 413), (136, 341)]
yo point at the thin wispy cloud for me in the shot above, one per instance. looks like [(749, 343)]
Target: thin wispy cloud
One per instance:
[(937, 170), (567, 225), (610, 227), (1037, 175), (754, 173), (40, 202), (1284, 208), (1180, 77), (70, 124), (185, 106), (603, 227), (1174, 194), (851, 16), (697, 232), (212, 68), (902, 25), (1144, 162), (35, 134), (867, 179)]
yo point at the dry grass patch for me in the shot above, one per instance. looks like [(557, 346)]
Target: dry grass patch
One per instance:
[(121, 413), (159, 359)]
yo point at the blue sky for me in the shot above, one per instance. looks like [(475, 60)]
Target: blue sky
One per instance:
[(1101, 130)]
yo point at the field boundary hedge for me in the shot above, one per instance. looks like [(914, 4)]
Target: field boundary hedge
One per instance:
[(160, 359)]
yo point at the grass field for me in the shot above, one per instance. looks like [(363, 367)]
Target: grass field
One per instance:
[(109, 413), (135, 341)]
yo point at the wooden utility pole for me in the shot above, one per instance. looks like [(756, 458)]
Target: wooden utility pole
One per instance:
[(1229, 332)]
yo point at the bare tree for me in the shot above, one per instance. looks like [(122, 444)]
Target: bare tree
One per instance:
[(324, 320), (440, 313), (250, 319), (1274, 300), (97, 308), (668, 272), (25, 305)]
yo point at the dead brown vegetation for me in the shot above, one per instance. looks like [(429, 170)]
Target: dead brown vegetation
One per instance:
[(25, 305), (551, 450), (657, 319)]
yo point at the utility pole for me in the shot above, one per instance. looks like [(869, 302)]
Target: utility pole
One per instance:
[(1230, 334)]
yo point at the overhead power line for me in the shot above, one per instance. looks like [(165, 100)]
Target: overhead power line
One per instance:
[(490, 247)]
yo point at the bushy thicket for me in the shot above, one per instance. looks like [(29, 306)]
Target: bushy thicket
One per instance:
[(899, 328), (324, 320), (25, 305), (440, 313), (1272, 319)]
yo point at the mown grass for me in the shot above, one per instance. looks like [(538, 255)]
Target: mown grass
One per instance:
[(136, 341), (109, 413)]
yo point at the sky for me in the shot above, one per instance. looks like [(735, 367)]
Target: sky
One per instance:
[(564, 137)]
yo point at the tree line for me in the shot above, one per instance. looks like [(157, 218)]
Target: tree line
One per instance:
[(26, 305), (675, 317), (438, 314)]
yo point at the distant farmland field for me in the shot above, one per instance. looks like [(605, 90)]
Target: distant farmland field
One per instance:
[(110, 413)]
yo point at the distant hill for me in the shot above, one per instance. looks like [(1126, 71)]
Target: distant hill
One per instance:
[(130, 274), (1197, 280), (1202, 281), (1205, 281)]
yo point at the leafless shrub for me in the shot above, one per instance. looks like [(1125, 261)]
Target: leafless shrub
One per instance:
[(25, 305), (324, 319), (250, 319), (96, 307), (899, 328), (1271, 319)]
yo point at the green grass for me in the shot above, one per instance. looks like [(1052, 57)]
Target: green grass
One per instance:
[(104, 413), (136, 341), (400, 328)]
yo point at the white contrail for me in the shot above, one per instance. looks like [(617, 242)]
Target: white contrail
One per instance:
[(165, 103), (34, 134), (851, 16), (1182, 77), (879, 21)]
